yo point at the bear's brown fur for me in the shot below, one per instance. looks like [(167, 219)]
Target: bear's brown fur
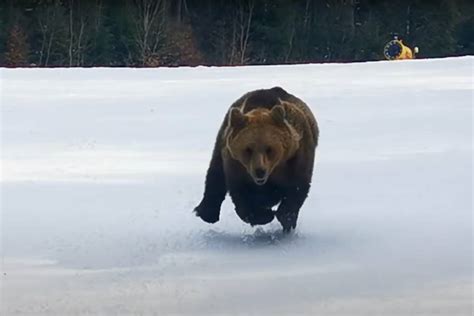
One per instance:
[(263, 155)]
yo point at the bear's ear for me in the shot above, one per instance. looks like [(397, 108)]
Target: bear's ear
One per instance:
[(237, 119), (278, 114)]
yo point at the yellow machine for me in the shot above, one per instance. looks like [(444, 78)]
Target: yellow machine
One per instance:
[(395, 49)]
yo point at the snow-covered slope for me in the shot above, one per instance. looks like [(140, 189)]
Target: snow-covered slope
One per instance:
[(102, 168)]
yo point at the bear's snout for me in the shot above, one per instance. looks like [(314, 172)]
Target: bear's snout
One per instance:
[(260, 176), (260, 173)]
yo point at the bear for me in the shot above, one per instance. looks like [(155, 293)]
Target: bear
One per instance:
[(263, 156)]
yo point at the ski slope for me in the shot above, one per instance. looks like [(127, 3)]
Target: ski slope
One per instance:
[(101, 169)]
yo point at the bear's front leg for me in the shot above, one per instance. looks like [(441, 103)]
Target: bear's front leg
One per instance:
[(292, 200), (247, 209), (215, 190), (208, 210)]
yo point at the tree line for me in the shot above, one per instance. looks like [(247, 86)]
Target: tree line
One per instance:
[(149, 33)]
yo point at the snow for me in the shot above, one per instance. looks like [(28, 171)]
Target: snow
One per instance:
[(101, 169)]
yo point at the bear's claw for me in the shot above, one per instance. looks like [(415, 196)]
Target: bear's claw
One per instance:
[(207, 214), (287, 220)]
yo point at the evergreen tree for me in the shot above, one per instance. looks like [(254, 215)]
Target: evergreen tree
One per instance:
[(17, 50)]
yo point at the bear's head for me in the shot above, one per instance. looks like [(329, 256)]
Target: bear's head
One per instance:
[(261, 140)]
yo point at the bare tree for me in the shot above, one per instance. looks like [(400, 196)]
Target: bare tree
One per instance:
[(181, 8), (291, 39), (67, 30), (241, 27), (149, 28), (83, 25), (49, 18), (71, 31), (245, 19), (408, 20)]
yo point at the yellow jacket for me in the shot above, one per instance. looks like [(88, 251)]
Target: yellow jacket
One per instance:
[(395, 50)]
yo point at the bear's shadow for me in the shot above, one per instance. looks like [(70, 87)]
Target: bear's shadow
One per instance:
[(260, 238), (269, 239)]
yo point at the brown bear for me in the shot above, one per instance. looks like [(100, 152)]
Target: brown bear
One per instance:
[(263, 156)]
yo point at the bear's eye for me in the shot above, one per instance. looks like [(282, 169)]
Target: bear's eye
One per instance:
[(248, 151), (269, 151)]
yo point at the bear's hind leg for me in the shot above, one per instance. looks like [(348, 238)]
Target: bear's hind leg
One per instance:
[(293, 199), (261, 216), (248, 210)]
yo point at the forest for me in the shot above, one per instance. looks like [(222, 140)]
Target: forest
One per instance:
[(152, 33)]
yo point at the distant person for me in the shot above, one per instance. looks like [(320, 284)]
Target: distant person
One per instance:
[(395, 50)]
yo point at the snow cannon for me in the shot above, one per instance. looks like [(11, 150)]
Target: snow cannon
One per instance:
[(395, 49)]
